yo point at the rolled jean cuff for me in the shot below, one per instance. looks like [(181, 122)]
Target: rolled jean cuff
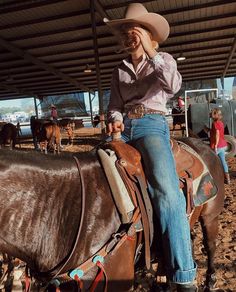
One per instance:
[(181, 277)]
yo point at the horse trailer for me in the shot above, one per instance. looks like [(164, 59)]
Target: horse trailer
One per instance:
[(199, 118)]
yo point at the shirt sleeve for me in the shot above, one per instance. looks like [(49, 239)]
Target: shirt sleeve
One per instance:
[(116, 103), (168, 75)]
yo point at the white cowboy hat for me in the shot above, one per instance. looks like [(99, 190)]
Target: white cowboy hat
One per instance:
[(137, 13), (52, 105)]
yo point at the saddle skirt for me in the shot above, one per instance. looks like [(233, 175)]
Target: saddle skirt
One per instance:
[(195, 178)]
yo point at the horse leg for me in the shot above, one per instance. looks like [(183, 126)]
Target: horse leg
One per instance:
[(173, 130), (11, 144), (210, 232), (46, 147)]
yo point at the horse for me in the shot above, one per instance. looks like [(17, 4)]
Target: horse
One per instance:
[(50, 138), (50, 211), (46, 133), (178, 118), (68, 125), (8, 135)]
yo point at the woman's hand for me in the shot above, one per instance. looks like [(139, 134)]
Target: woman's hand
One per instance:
[(115, 127), (146, 41)]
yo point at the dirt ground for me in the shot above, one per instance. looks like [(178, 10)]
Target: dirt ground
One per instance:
[(225, 259)]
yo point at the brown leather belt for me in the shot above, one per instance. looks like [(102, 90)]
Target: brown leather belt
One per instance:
[(137, 111)]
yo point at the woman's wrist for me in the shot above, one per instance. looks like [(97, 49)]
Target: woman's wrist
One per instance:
[(152, 53)]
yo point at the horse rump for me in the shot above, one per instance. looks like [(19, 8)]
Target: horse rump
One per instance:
[(8, 135)]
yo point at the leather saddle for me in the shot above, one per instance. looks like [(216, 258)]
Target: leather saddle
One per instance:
[(194, 177), (192, 172)]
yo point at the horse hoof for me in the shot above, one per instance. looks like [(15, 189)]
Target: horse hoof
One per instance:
[(211, 284)]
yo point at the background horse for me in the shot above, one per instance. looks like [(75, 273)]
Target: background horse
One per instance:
[(69, 126), (50, 137), (46, 134), (8, 135), (41, 207)]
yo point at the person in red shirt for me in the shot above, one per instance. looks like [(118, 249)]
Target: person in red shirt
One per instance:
[(53, 112), (217, 140)]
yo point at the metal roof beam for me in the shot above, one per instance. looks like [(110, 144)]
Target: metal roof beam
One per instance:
[(54, 17), (205, 30), (100, 9), (72, 50), (203, 19), (232, 51), (103, 12), (24, 5), (200, 70), (76, 41), (17, 90), (203, 77), (179, 34), (19, 52), (176, 10), (25, 71)]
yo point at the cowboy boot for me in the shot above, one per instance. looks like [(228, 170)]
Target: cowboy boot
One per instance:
[(227, 178)]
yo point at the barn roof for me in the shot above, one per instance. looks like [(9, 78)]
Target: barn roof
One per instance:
[(46, 44)]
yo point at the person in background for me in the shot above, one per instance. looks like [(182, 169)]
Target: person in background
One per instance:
[(217, 140), (181, 103), (54, 115), (140, 88)]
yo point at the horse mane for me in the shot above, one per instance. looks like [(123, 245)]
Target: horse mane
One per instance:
[(47, 162)]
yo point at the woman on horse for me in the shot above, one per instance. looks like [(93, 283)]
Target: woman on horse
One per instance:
[(141, 86)]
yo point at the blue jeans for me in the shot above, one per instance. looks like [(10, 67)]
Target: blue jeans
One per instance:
[(221, 153), (151, 137)]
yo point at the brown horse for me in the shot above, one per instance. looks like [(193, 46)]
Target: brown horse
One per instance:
[(46, 134), (42, 205), (50, 137), (8, 135)]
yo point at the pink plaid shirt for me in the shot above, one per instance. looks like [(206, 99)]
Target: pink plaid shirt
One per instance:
[(152, 84)]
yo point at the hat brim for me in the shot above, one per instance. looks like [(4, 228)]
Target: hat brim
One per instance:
[(155, 23)]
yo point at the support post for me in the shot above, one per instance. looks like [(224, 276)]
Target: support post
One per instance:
[(95, 44), (36, 108), (91, 108)]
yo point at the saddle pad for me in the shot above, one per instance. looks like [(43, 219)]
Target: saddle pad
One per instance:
[(204, 188), (118, 188)]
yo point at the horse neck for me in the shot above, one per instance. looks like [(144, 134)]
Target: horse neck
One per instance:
[(35, 212), (40, 214)]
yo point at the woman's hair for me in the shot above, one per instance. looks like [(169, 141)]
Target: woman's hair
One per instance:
[(216, 114)]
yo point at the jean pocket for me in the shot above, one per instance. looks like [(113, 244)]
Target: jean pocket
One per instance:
[(155, 122)]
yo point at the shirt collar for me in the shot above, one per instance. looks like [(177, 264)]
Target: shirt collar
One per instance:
[(129, 63)]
